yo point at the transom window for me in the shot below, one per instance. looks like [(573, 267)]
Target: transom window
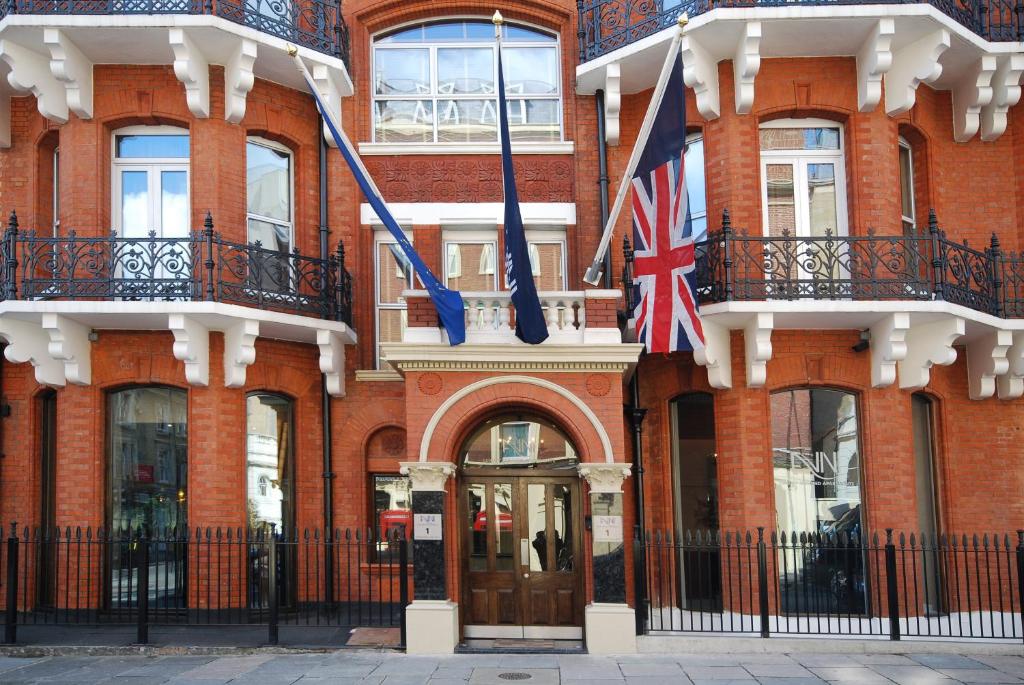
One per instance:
[(436, 82), (518, 440)]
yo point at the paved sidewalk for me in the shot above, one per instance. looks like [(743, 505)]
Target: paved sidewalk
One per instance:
[(379, 668)]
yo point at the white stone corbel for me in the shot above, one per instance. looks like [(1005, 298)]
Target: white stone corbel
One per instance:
[(873, 60), (28, 342), (192, 346), (888, 347), (1005, 94), (970, 94), (928, 344), (193, 70), (332, 361), (69, 66), (69, 343), (716, 355), (913, 65), (757, 343), (239, 351), (330, 94), (612, 102), (239, 79), (1010, 385), (603, 477), (427, 476), (745, 65), (30, 72), (986, 359), (5, 119), (700, 72)]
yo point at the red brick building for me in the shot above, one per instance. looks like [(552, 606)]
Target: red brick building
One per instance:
[(206, 327)]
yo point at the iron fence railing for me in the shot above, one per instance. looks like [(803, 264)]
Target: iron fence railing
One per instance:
[(315, 24), (200, 266), (906, 585), (734, 265), (204, 577), (606, 25)]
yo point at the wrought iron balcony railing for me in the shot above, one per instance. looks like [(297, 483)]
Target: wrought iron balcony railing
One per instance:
[(315, 24), (735, 266), (605, 25), (200, 267)]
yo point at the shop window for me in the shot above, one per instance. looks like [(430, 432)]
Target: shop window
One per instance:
[(392, 514)]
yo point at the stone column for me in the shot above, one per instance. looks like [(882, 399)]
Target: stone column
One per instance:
[(609, 623), (432, 620)]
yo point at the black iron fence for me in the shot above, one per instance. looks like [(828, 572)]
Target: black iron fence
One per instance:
[(315, 24), (606, 25), (200, 266), (926, 265), (950, 586), (204, 577)]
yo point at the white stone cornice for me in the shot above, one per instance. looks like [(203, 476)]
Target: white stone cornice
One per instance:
[(986, 359), (332, 361), (192, 346), (873, 60), (193, 70), (330, 94), (972, 92), (239, 79), (239, 350), (745, 65), (1005, 94), (700, 72), (427, 476), (716, 356), (757, 343), (28, 342), (30, 72), (612, 102), (604, 477), (888, 347), (69, 343), (913, 65), (69, 66), (928, 344), (1011, 384)]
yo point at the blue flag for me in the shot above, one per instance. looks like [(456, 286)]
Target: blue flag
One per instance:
[(530, 324), (448, 303)]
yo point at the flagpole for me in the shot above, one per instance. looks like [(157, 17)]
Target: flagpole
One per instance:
[(593, 274)]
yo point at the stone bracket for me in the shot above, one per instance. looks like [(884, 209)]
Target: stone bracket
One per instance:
[(30, 72), (329, 92), (239, 351), (745, 65), (28, 342), (873, 60), (239, 80), (700, 72), (612, 102), (604, 477), (1005, 94), (888, 347), (427, 476), (192, 346), (986, 359), (1011, 384), (332, 361), (970, 94), (757, 344), (913, 65), (69, 66), (193, 70), (69, 343), (928, 344), (715, 356)]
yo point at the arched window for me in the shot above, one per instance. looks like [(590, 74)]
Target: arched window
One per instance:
[(269, 463), (518, 439), (436, 83)]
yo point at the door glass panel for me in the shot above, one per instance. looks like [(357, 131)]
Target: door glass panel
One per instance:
[(503, 550), (537, 514), (781, 199), (135, 204), (173, 204), (563, 532), (476, 508), (821, 196)]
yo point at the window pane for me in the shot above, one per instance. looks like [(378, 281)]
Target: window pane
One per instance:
[(268, 182), (404, 121), (466, 121), (391, 324), (522, 33), (537, 520), (563, 528), (533, 120), (269, 236), (517, 440), (465, 70), (693, 162), (470, 266), (906, 183), (781, 199), (403, 71), (268, 463), (530, 71), (476, 510), (392, 514), (503, 560), (135, 204), (173, 204), (151, 146), (393, 274), (546, 260), (821, 193), (799, 138)]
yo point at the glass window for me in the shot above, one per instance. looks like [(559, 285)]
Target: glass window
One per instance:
[(518, 440), (56, 191), (150, 179), (907, 186), (437, 83), (269, 195), (268, 461), (392, 513), (151, 146), (470, 266), (696, 190), (394, 275)]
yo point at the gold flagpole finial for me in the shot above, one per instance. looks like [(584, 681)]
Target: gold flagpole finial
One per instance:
[(683, 20), (497, 18), (291, 49)]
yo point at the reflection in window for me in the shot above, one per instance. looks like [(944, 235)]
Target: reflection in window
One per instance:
[(470, 266), (394, 275), (392, 514), (907, 186), (696, 191), (268, 461), (518, 440)]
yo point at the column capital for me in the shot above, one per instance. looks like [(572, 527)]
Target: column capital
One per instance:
[(428, 476), (604, 477)]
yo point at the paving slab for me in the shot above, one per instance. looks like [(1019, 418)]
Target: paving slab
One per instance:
[(826, 660), (946, 661), (911, 675), (761, 671), (716, 673), (537, 676), (975, 675), (652, 668), (862, 675)]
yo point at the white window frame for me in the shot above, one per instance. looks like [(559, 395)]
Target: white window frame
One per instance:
[(435, 96), (799, 159), (56, 191), (153, 166), (548, 236), (257, 140), (903, 144), (383, 237)]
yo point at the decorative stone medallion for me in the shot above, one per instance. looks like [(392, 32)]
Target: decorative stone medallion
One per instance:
[(430, 384), (597, 385), (393, 441)]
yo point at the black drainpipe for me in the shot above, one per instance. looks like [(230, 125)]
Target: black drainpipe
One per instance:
[(325, 398), (602, 181)]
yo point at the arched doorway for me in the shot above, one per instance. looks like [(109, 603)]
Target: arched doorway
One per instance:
[(521, 534)]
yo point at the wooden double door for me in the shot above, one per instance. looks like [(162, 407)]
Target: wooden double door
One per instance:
[(521, 556)]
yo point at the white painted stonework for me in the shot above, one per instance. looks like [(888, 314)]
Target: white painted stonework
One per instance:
[(428, 476), (470, 213), (609, 628), (432, 627), (604, 478)]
